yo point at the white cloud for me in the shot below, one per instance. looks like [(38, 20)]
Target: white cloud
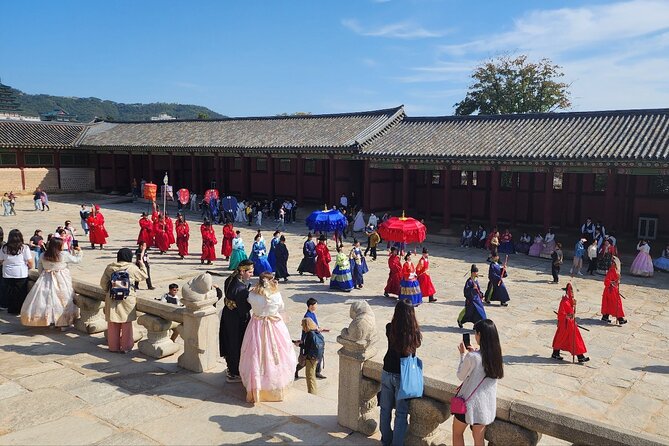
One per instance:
[(369, 62), (440, 72), (400, 30)]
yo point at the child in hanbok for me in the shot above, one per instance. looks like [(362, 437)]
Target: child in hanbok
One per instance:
[(643, 263), (409, 286)]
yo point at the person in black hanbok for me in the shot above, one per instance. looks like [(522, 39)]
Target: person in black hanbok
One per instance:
[(308, 263), (281, 255)]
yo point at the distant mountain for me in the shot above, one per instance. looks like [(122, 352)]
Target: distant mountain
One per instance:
[(87, 109)]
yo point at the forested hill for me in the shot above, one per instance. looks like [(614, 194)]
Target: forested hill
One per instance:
[(86, 109)]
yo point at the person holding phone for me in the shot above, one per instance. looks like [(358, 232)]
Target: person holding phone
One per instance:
[(479, 370)]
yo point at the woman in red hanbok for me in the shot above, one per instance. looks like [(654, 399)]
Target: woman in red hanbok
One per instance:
[(145, 231), (323, 260), (611, 302), (423, 273), (97, 233), (183, 234), (169, 230), (395, 275), (568, 337), (208, 242), (228, 236), (160, 235)]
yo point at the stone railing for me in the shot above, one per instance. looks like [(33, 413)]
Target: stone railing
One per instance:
[(517, 423), (197, 324)]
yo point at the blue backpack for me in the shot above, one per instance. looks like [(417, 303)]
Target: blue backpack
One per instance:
[(119, 287), (314, 345)]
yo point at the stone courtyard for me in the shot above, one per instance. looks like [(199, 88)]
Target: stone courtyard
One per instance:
[(65, 388)]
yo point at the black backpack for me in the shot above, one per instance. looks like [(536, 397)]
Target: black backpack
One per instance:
[(119, 287), (314, 345)]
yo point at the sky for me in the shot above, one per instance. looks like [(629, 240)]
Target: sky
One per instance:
[(266, 57)]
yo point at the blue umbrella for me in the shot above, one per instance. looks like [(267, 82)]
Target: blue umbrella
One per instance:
[(326, 221), (229, 204)]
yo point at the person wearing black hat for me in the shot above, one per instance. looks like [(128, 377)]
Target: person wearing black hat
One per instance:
[(496, 288), (473, 311), (323, 259), (281, 260), (308, 263)]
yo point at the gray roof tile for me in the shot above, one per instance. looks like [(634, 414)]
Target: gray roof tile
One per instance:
[(39, 134)]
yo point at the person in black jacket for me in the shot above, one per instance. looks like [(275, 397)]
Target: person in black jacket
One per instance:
[(312, 348), (281, 254), (235, 317)]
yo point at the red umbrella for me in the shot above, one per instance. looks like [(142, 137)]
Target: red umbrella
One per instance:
[(402, 229)]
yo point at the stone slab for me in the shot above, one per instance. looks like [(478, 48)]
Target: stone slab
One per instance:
[(40, 406), (134, 410), (68, 430)]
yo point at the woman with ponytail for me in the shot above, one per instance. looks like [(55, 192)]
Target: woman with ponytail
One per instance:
[(268, 358)]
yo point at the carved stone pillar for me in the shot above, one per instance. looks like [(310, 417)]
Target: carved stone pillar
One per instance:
[(425, 416), (357, 395), (158, 343), (91, 315), (501, 432), (200, 326)]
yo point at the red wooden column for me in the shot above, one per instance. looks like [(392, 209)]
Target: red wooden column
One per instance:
[(98, 172), (56, 160), (150, 179), (171, 170), (246, 174), (405, 188), (367, 187), (114, 172), (332, 177), (299, 185), (193, 173), (217, 172), (548, 199), (470, 194), (21, 162), (565, 208), (428, 204), (272, 174), (494, 196), (610, 199), (131, 168), (446, 197)]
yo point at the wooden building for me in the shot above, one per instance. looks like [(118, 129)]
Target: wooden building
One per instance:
[(552, 169)]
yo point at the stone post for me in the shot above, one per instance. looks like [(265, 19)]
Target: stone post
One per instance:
[(425, 415), (502, 432), (356, 394), (158, 343), (91, 315), (200, 325)]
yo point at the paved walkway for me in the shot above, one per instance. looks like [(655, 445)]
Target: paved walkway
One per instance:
[(133, 399)]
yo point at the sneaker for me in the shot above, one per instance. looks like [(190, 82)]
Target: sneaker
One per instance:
[(580, 273), (233, 379), (622, 321), (582, 359), (319, 376), (558, 357), (504, 304), (384, 295)]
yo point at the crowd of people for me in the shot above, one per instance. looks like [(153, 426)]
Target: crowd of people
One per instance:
[(254, 339)]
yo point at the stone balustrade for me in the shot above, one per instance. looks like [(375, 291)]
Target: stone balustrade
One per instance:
[(518, 423), (196, 323)]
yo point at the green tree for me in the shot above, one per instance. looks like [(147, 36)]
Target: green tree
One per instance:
[(202, 115), (515, 85)]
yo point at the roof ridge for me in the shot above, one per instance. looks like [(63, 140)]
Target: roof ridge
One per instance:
[(553, 115)]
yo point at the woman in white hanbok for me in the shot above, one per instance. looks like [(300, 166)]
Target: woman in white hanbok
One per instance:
[(359, 222), (240, 217), (51, 299)]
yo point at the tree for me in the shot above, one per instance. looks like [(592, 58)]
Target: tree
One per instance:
[(202, 115), (515, 85)]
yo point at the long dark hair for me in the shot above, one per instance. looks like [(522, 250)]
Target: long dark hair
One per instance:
[(14, 243), (491, 349), (405, 336), (53, 249), (2, 237)]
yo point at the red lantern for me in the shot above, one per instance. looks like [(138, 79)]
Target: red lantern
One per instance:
[(150, 191)]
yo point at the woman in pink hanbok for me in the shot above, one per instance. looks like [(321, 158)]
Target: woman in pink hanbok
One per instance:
[(643, 263), (268, 359)]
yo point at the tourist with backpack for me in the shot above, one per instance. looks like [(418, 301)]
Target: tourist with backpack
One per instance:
[(312, 349), (121, 300)]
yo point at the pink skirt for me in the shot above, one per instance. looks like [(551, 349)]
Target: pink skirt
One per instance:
[(268, 359), (642, 265)]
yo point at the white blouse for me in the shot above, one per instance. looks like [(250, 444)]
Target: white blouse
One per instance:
[(482, 406), (644, 248), (265, 306)]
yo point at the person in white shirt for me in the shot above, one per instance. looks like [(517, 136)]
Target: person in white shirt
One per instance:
[(373, 220), (288, 206), (343, 201), (193, 202), (16, 260)]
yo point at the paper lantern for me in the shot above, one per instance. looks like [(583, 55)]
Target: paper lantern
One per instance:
[(150, 191)]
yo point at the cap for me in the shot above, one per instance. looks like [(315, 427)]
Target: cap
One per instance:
[(474, 269)]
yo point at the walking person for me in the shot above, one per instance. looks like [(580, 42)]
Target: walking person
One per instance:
[(208, 243), (479, 370), (592, 257), (312, 348), (323, 260), (12, 203), (36, 244), (473, 311), (556, 261), (358, 265), (5, 204), (410, 287), (51, 299), (281, 256), (121, 300), (423, 274), (37, 199), (404, 339), (568, 337), (83, 218), (393, 284), (308, 263), (183, 235), (238, 252), (16, 260), (268, 359), (142, 261), (44, 198), (312, 307), (611, 301), (341, 274), (579, 252)]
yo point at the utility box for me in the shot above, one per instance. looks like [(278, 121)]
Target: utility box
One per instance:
[(647, 227)]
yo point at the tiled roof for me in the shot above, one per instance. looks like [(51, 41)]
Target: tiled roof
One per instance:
[(614, 135), (39, 135), (335, 131)]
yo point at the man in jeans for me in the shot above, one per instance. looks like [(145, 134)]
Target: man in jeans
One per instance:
[(37, 198)]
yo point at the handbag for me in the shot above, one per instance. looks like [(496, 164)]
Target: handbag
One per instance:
[(411, 378), (459, 404)]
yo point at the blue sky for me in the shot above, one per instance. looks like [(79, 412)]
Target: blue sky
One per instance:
[(265, 57)]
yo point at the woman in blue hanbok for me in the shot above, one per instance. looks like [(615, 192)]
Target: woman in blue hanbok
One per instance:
[(259, 257), (341, 275), (238, 253), (662, 262), (473, 311), (358, 265), (271, 257)]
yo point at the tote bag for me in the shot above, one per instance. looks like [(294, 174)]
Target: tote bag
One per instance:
[(411, 378)]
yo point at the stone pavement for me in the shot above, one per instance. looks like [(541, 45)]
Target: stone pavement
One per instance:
[(132, 398)]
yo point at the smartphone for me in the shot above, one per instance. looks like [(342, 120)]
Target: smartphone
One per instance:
[(466, 340)]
